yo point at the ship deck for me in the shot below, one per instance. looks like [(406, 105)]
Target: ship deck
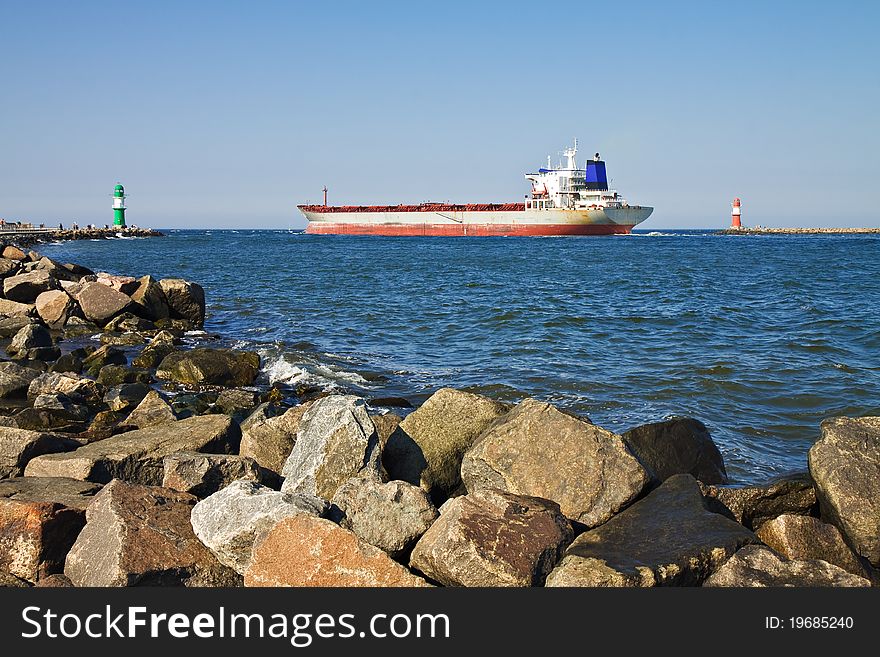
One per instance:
[(422, 207)]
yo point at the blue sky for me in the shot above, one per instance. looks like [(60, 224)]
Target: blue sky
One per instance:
[(228, 114)]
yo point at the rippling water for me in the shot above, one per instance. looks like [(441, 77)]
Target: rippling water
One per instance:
[(759, 337)]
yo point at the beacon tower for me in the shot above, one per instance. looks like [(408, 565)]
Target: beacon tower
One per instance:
[(119, 205), (735, 214)]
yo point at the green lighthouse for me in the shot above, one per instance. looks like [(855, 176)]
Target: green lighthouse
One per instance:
[(119, 205)]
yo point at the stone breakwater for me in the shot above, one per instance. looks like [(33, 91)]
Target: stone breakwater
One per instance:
[(30, 238), (799, 231), (151, 460)]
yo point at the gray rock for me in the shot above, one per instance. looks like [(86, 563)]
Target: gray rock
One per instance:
[(129, 322), (69, 362), (204, 366), (9, 326), (137, 456), (235, 401), (63, 406), (231, 520), (392, 516), (426, 449), (106, 355), (153, 354), (123, 339), (754, 505), (677, 446), (40, 519), (845, 463), (336, 440), (15, 379), (141, 536), (115, 375), (25, 288), (30, 337), (149, 299), (152, 411), (204, 474), (666, 539), (540, 451), (100, 303), (269, 441), (54, 307), (68, 384), (186, 300), (804, 538), (125, 396), (493, 538), (19, 446), (758, 566)]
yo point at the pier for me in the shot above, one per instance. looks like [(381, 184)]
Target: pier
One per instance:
[(24, 234), (760, 230)]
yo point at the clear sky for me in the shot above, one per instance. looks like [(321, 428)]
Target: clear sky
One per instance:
[(228, 114)]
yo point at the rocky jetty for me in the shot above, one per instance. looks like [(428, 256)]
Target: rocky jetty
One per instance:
[(135, 453)]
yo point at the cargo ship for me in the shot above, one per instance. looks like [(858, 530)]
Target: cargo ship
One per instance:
[(564, 200)]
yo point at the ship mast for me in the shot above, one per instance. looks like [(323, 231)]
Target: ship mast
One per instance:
[(569, 154)]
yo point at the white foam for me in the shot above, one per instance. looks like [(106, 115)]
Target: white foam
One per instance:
[(281, 371)]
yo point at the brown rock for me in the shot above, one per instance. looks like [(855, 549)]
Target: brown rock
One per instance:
[(804, 538), (392, 516), (666, 539), (149, 299), (25, 288), (386, 424), (124, 284), (152, 411), (138, 456), (40, 519), (427, 447), (845, 463), (14, 253), (678, 446), (757, 566), (54, 307), (100, 303), (186, 300), (15, 379), (204, 474), (55, 581), (540, 451), (19, 446), (754, 505), (493, 538), (304, 550), (270, 441), (14, 309), (141, 535), (205, 366)]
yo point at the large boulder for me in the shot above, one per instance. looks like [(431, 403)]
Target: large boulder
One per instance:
[(204, 474), (336, 440), (270, 440), (11, 252), (540, 451), (845, 463), (231, 520), (141, 535), (392, 516), (100, 303), (303, 550), (153, 354), (758, 566), (10, 325), (40, 519), (236, 402), (14, 308), (666, 539), (149, 299), (427, 447), (103, 356), (54, 307), (151, 411), (677, 446), (205, 366), (8, 267), (755, 504), (493, 538), (25, 288), (125, 284), (137, 456), (68, 384), (15, 379), (126, 396), (19, 446), (31, 336), (186, 300), (804, 538)]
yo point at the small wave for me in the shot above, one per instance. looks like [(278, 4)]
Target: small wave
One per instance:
[(282, 371)]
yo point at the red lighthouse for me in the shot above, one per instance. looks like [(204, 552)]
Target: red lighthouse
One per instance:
[(735, 214)]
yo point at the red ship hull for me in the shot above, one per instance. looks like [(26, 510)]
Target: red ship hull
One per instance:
[(470, 229)]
